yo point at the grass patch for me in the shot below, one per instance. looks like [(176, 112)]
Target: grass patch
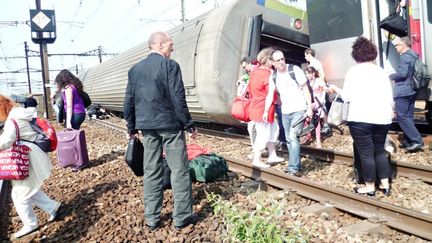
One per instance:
[(258, 225)]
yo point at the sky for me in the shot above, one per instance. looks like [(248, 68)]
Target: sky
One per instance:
[(83, 26)]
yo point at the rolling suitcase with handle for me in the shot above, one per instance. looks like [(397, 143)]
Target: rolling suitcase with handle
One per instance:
[(72, 149)]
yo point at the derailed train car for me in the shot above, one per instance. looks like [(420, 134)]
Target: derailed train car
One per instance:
[(208, 49)]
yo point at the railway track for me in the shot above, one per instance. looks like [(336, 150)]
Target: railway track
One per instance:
[(403, 219), (420, 172)]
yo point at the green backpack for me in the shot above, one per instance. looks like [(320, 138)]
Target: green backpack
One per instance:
[(209, 167)]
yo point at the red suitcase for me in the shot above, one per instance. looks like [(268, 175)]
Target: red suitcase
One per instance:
[(72, 149)]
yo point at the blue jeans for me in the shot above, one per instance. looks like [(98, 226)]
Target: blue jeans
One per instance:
[(404, 107), (76, 120), (293, 143), (369, 142), (280, 123)]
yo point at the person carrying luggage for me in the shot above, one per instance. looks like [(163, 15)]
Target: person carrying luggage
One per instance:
[(27, 193), (155, 86), (73, 103)]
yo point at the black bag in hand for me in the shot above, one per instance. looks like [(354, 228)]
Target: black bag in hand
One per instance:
[(134, 156), (395, 24)]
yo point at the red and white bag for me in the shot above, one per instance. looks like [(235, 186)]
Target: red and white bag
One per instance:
[(14, 161)]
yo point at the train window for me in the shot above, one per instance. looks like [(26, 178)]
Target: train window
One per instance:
[(333, 19), (429, 11)]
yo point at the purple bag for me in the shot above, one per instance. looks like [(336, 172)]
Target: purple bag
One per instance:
[(72, 149)]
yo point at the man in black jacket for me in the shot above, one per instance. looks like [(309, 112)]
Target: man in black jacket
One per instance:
[(155, 103)]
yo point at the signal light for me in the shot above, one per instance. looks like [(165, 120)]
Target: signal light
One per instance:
[(298, 24)]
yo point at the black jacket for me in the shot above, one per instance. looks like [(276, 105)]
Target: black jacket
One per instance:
[(155, 96)]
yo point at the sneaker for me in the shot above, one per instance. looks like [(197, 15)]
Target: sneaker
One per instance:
[(25, 231), (54, 215), (260, 164), (275, 160), (415, 147), (292, 173)]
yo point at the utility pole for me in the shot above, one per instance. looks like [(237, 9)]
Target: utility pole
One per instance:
[(43, 32), (44, 63), (100, 53), (183, 19), (26, 49)]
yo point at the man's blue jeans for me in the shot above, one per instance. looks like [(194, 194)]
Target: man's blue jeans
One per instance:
[(292, 134), (404, 107)]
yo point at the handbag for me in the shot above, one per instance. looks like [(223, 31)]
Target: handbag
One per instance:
[(134, 156), (86, 99), (240, 107), (338, 113), (395, 24), (14, 161)]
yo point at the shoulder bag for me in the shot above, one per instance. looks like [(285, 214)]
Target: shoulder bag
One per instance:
[(14, 161), (395, 24), (240, 107), (338, 113)]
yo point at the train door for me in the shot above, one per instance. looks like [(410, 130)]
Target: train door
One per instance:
[(264, 34), (333, 27), (420, 22)]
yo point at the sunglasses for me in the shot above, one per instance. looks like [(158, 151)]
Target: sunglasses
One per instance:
[(280, 59)]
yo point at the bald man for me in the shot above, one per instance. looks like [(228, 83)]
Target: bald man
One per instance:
[(155, 103)]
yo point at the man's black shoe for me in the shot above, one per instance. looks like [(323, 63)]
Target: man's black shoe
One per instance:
[(153, 227), (415, 147), (192, 219)]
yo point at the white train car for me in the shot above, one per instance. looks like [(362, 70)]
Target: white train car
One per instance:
[(209, 49), (335, 24)]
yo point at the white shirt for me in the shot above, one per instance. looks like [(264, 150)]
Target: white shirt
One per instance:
[(316, 64), (368, 89), (290, 92)]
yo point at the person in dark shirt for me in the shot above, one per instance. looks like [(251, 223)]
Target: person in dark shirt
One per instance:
[(155, 103)]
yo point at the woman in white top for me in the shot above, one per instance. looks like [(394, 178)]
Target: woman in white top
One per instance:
[(368, 90), (27, 193)]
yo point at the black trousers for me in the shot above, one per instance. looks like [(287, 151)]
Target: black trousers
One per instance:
[(369, 140)]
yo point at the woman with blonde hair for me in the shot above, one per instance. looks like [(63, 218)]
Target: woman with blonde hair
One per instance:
[(27, 192), (261, 110)]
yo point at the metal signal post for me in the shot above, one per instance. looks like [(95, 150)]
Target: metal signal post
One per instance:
[(43, 31)]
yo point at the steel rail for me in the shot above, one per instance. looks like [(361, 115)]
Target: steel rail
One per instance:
[(3, 193), (403, 219), (421, 172)]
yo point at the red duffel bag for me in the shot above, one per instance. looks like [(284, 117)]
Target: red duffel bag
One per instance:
[(240, 107)]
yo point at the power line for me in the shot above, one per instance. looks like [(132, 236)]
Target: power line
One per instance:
[(88, 20), (139, 27)]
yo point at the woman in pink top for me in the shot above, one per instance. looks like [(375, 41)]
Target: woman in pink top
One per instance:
[(261, 110)]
